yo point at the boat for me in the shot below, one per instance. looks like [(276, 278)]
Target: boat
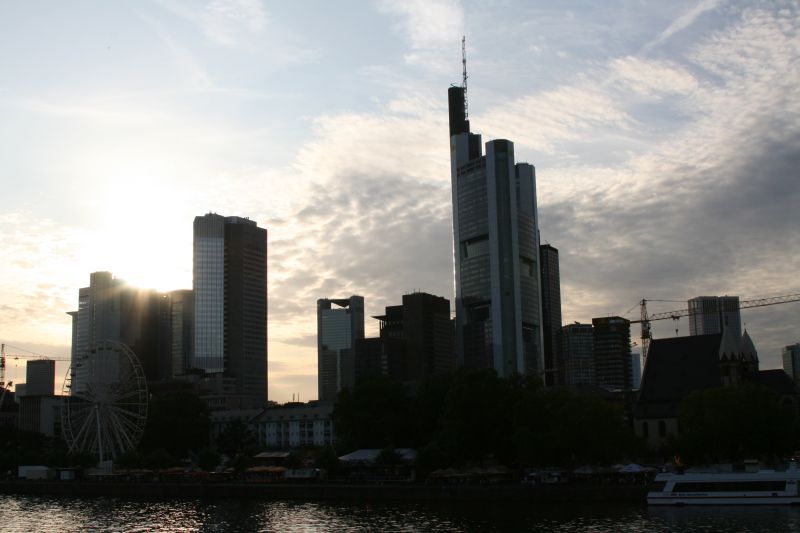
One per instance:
[(758, 487)]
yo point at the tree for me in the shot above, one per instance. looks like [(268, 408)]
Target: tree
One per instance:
[(735, 423), (236, 437), (374, 414), (208, 459), (178, 421)]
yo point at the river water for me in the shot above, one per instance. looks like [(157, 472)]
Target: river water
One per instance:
[(59, 514)]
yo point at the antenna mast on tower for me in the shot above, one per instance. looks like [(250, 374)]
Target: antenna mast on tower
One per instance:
[(464, 82)]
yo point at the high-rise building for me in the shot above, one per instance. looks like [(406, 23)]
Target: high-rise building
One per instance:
[(340, 323), (551, 314), (496, 249), (715, 314), (416, 341), (612, 353), (110, 309), (791, 361), (230, 307), (577, 354), (181, 316)]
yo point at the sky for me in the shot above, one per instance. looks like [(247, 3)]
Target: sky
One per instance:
[(665, 136)]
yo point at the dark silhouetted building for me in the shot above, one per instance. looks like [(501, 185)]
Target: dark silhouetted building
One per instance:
[(612, 353), (416, 341), (678, 366), (340, 324), (791, 361), (577, 354), (230, 308), (181, 318), (496, 251), (551, 314)]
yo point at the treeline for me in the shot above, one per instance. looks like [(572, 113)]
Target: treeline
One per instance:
[(473, 416), (730, 424)]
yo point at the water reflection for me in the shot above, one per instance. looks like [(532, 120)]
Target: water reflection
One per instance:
[(50, 514)]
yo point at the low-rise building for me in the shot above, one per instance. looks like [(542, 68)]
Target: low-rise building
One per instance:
[(295, 425)]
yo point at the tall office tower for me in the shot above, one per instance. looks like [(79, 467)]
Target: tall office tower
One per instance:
[(715, 314), (416, 341), (551, 314), (612, 352), (230, 307), (181, 308), (791, 361), (110, 309), (496, 251), (577, 354), (340, 323)]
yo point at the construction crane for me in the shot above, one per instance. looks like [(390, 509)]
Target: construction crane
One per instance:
[(645, 318)]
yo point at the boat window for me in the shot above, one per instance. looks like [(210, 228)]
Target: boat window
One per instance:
[(730, 486)]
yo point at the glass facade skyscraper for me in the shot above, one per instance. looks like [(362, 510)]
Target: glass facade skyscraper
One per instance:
[(230, 307), (340, 323), (496, 249)]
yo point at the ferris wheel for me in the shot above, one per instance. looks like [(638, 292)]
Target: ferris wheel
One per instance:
[(105, 401)]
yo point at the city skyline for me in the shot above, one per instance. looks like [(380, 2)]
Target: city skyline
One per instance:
[(664, 139)]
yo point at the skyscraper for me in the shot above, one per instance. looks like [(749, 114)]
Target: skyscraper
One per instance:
[(715, 314), (230, 307), (496, 251), (612, 352), (110, 309), (181, 316), (577, 354), (791, 361), (340, 323), (416, 341), (551, 314)]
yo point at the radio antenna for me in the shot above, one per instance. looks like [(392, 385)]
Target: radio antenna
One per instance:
[(464, 81)]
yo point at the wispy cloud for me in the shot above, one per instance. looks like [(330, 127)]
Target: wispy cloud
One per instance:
[(431, 28), (223, 22), (682, 22)]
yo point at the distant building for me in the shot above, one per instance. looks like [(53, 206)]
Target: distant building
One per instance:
[(636, 370), (612, 352), (496, 247), (340, 323), (791, 361), (416, 341), (181, 316), (40, 377), (715, 314), (577, 354), (230, 308), (296, 425), (39, 408), (680, 365), (551, 314)]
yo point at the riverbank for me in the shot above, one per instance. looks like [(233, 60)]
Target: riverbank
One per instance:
[(567, 493)]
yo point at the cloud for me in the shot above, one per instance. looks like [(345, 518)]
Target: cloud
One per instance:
[(682, 22), (432, 28), (223, 22)]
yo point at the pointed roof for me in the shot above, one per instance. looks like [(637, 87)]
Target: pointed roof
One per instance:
[(731, 345), (747, 347)]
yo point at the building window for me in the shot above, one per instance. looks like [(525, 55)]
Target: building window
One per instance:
[(662, 429)]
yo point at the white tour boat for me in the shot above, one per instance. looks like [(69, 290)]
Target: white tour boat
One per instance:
[(762, 487)]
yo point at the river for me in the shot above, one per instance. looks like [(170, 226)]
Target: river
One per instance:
[(121, 515)]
